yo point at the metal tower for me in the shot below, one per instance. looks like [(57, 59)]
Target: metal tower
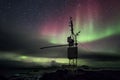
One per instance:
[(72, 50)]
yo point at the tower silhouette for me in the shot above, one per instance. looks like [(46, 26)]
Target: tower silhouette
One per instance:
[(72, 49)]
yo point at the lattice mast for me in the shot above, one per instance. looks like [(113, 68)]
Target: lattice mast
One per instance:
[(72, 49)]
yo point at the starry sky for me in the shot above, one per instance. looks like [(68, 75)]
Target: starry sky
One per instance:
[(27, 25)]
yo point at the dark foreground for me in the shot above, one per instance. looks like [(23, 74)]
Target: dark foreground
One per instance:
[(66, 74), (82, 75)]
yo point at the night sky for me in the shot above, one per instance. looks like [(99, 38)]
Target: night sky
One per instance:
[(27, 25)]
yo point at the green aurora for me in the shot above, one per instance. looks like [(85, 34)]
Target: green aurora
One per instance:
[(88, 33)]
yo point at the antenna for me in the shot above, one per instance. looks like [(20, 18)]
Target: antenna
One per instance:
[(53, 46), (71, 25)]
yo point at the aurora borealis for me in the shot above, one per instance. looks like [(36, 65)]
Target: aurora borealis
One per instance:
[(87, 19), (27, 25)]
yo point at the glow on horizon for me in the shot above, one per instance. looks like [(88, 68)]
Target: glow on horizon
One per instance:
[(36, 60), (41, 61)]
